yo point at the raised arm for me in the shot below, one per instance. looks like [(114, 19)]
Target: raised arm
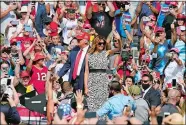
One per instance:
[(29, 66), (17, 73), (86, 74), (180, 9), (111, 9), (28, 14), (139, 7), (27, 51), (89, 12), (6, 12), (173, 34), (108, 41), (50, 102), (127, 33), (155, 10), (21, 59)]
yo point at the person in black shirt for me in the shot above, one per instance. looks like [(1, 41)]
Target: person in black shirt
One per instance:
[(169, 19), (22, 85), (101, 21)]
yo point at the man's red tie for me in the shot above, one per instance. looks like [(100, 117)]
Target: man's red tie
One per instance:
[(74, 75)]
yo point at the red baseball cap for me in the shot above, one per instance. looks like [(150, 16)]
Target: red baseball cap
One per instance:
[(152, 17), (180, 16), (83, 35), (159, 29), (54, 29), (86, 26), (24, 74), (174, 3), (175, 50), (13, 40), (38, 56)]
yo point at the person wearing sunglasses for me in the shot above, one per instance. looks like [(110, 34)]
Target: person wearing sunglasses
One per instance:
[(96, 78), (100, 20), (151, 95)]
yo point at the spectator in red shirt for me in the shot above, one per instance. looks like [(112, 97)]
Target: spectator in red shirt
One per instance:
[(38, 72)]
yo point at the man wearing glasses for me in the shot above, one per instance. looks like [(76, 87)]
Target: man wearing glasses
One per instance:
[(151, 95)]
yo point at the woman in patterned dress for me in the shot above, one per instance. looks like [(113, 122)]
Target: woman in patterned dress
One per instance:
[(96, 79)]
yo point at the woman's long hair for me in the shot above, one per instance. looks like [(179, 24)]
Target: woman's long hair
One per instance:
[(95, 43)]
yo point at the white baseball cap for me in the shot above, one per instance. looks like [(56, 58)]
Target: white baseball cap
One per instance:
[(24, 9)]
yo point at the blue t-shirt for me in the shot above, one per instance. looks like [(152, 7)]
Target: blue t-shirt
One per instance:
[(119, 23), (159, 63), (145, 11), (164, 10), (181, 46)]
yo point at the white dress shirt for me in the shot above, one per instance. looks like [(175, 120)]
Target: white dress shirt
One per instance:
[(82, 59), (66, 23)]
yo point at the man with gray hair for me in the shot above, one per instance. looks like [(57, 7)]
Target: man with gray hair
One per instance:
[(173, 99)]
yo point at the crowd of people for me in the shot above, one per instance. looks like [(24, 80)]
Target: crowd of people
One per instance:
[(94, 62)]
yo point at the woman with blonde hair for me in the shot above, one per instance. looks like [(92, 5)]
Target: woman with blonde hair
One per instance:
[(96, 79)]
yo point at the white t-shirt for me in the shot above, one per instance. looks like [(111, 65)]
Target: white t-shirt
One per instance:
[(20, 25), (7, 19), (68, 24), (173, 71)]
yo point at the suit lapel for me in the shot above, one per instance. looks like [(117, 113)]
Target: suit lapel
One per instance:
[(147, 94)]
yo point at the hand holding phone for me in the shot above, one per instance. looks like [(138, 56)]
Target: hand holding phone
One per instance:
[(166, 114), (14, 23), (174, 85)]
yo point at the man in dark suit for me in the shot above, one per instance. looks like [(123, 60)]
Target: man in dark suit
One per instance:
[(76, 62), (151, 95)]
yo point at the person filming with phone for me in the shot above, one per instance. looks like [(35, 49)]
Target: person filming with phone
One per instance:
[(174, 68), (8, 98)]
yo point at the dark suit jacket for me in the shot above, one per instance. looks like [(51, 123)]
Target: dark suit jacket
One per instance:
[(153, 97), (70, 65)]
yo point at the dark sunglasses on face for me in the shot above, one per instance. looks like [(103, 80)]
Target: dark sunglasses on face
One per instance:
[(115, 40), (100, 43), (145, 81), (101, 4), (172, 7)]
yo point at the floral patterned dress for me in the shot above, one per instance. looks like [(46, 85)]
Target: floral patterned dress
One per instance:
[(97, 81)]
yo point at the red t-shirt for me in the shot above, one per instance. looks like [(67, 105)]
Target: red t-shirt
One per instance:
[(24, 39), (38, 78)]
